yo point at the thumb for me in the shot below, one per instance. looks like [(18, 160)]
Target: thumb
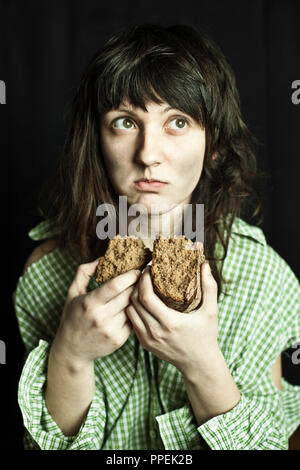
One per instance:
[(82, 278), (209, 286)]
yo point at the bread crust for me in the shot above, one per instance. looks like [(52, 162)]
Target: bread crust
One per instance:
[(193, 292)]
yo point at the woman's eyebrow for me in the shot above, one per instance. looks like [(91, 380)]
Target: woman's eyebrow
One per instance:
[(129, 111)]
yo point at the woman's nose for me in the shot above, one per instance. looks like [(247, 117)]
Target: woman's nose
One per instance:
[(149, 152)]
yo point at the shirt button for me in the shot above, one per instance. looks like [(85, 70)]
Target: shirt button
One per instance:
[(152, 434), (213, 426)]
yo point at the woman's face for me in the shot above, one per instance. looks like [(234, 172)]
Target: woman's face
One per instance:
[(162, 144)]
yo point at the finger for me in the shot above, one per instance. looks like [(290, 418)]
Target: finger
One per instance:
[(120, 320), (122, 327), (114, 287), (209, 287), (136, 321), (121, 301), (82, 278), (149, 320), (126, 330), (152, 303)]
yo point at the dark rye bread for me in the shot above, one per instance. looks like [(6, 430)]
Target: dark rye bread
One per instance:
[(122, 255), (175, 272), (175, 269)]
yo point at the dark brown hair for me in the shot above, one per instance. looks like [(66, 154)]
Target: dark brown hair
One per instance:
[(153, 63)]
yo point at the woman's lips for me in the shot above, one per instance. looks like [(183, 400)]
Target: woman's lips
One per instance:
[(149, 186)]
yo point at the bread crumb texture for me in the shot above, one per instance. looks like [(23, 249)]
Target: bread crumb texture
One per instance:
[(122, 255), (175, 267)]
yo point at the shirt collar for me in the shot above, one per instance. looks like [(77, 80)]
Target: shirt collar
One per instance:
[(47, 229), (43, 230), (240, 227)]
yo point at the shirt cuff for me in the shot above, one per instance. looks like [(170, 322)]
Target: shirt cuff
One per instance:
[(254, 423), (37, 420), (178, 430)]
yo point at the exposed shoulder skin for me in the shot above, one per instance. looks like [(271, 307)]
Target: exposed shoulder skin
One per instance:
[(41, 250), (276, 372)]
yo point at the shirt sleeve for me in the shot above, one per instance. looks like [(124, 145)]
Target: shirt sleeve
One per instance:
[(37, 329), (42, 428), (265, 417), (255, 423)]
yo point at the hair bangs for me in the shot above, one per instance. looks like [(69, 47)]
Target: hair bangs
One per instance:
[(156, 76)]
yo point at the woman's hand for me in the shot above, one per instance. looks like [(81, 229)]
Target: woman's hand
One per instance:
[(94, 324), (185, 340)]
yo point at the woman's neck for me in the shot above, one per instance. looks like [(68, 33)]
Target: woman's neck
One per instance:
[(150, 225)]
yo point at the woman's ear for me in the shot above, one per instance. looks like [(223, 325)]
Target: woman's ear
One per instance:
[(214, 155)]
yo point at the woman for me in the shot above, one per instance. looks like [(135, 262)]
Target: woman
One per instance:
[(112, 367)]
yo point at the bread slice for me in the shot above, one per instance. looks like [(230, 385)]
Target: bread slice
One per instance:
[(175, 269), (122, 255), (175, 272)]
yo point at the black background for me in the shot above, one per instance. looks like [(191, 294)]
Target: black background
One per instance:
[(44, 47)]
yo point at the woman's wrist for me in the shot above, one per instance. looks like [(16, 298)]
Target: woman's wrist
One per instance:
[(62, 356), (70, 388), (206, 366), (210, 387)]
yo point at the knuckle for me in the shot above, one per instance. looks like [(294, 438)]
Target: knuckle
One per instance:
[(143, 297), (213, 312), (85, 305), (157, 334), (107, 332), (115, 342), (90, 311), (114, 287), (174, 327), (119, 340), (96, 323)]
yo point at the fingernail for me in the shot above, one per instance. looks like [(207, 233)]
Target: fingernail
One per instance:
[(138, 272)]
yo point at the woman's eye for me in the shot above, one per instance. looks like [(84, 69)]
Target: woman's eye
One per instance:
[(179, 123), (123, 123)]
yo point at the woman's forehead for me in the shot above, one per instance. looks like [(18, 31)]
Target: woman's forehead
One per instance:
[(127, 103), (161, 108)]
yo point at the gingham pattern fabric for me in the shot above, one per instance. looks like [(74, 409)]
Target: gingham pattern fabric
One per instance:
[(140, 400)]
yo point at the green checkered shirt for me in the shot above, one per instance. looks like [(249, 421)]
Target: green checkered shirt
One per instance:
[(141, 401)]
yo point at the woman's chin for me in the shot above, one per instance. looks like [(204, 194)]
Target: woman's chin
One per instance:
[(153, 204)]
